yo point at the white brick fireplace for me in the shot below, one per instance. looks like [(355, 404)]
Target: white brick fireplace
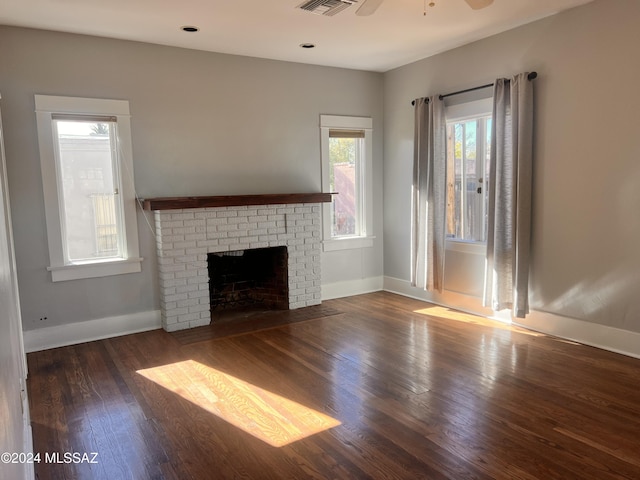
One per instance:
[(185, 236)]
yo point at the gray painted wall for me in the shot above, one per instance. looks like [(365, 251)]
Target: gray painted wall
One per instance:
[(586, 261), (202, 124)]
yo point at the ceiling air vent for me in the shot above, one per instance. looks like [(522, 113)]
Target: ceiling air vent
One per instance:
[(326, 7)]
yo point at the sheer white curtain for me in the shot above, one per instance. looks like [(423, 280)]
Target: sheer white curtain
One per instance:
[(428, 194), (510, 180)]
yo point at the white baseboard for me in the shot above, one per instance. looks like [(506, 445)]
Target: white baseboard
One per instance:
[(608, 338), (601, 336), (29, 468), (97, 329), (588, 333), (349, 288)]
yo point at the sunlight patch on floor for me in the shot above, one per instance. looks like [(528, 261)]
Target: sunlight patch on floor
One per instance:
[(265, 415), (449, 314)]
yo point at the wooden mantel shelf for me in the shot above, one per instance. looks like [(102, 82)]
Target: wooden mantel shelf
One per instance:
[(175, 203)]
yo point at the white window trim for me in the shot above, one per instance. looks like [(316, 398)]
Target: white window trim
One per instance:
[(365, 239), (469, 110), (46, 106)]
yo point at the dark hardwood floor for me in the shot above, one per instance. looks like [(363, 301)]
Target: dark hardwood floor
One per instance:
[(416, 391)]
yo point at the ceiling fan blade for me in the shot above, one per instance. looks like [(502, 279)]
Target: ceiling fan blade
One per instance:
[(478, 4), (369, 7)]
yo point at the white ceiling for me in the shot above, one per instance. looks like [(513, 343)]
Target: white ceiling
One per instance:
[(395, 35)]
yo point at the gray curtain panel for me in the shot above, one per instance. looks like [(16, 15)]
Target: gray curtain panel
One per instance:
[(510, 181), (428, 195)]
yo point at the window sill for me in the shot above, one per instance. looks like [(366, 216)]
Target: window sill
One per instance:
[(465, 246), (347, 243), (106, 268)]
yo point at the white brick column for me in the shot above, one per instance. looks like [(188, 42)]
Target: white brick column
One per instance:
[(185, 237)]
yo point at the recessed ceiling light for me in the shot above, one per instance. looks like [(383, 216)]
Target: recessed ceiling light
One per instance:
[(307, 45), (189, 28)]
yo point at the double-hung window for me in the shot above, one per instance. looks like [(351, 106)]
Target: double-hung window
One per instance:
[(346, 172), (85, 155), (468, 150)]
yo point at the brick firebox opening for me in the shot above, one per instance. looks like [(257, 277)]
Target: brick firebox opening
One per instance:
[(254, 279)]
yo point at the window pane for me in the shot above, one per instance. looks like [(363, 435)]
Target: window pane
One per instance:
[(471, 182), (454, 179), (86, 151), (468, 145), (485, 182), (343, 171)]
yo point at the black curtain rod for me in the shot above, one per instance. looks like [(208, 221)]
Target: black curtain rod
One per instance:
[(531, 76)]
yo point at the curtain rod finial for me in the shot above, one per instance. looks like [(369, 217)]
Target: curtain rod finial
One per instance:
[(532, 75)]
